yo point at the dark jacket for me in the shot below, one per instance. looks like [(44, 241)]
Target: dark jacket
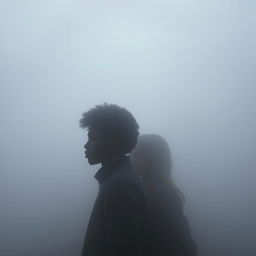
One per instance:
[(167, 229), (117, 222)]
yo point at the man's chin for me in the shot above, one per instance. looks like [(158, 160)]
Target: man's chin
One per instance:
[(92, 161)]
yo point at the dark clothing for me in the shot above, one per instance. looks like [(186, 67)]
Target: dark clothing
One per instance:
[(167, 229), (117, 221)]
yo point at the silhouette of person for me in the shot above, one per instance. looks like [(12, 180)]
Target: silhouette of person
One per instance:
[(117, 221), (167, 229)]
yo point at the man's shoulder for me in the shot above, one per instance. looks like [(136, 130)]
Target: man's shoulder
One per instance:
[(125, 179), (124, 176)]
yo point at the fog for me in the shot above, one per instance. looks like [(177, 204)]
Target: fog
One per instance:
[(185, 69)]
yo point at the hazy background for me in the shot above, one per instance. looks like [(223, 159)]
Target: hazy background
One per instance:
[(185, 69)]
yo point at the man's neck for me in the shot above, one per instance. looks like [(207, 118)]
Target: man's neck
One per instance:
[(111, 159), (107, 167)]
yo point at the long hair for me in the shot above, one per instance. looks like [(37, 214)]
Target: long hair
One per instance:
[(158, 155)]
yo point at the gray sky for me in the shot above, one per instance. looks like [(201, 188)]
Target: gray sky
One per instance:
[(185, 69)]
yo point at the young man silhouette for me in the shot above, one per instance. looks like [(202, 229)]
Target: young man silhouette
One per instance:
[(116, 225)]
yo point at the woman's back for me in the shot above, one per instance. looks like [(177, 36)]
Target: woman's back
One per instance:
[(167, 229)]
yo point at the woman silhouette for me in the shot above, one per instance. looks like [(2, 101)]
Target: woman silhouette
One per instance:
[(167, 229)]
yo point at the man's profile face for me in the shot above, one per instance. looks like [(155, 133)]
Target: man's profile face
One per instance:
[(95, 148)]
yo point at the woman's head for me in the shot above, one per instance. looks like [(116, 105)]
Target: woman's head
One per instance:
[(151, 157)]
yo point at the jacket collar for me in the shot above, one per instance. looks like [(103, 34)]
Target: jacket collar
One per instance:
[(109, 167)]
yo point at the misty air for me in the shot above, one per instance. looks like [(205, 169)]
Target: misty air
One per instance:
[(128, 128)]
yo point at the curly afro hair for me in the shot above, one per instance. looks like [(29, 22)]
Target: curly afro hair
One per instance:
[(115, 122)]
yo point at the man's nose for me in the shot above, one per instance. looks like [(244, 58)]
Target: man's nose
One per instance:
[(85, 145)]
